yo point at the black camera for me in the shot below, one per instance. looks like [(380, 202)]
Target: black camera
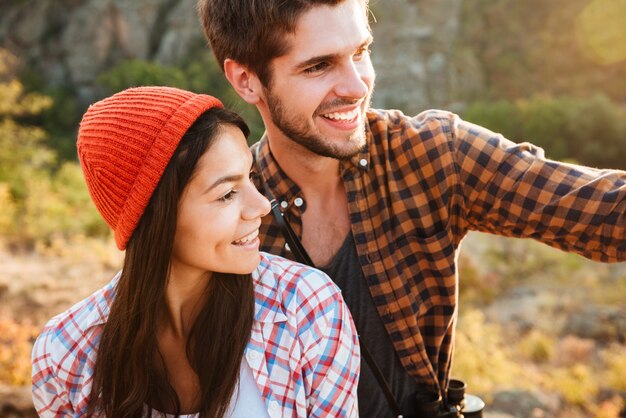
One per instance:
[(456, 405)]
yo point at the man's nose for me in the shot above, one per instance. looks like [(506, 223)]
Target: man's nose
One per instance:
[(355, 81)]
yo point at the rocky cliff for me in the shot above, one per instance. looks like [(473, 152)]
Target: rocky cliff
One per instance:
[(71, 41)]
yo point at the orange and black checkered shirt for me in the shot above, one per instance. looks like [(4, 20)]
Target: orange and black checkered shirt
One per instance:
[(420, 185)]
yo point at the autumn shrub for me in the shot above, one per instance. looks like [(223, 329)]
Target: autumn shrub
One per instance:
[(8, 208), (59, 205), (537, 346), (16, 340), (613, 371), (576, 384), (483, 357), (39, 199)]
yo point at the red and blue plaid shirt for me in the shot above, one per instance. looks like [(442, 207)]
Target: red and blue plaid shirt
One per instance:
[(303, 350), (416, 190)]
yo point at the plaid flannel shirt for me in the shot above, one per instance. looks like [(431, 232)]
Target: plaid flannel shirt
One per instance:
[(303, 350), (420, 185)]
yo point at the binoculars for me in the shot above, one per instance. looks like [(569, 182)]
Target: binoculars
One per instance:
[(456, 405)]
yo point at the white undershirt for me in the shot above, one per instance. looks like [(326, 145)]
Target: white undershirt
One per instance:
[(246, 401)]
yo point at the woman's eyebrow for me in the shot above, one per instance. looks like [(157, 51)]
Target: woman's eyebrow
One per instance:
[(224, 179)]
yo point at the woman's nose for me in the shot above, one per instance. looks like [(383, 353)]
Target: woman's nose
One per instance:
[(257, 205)]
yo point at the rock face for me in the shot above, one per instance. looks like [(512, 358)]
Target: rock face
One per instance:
[(71, 41), (414, 54)]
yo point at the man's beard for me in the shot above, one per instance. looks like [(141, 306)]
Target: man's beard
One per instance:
[(298, 130)]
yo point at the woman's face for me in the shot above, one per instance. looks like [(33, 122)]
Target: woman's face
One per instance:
[(219, 212)]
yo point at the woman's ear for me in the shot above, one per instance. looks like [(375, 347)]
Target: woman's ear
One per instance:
[(244, 81)]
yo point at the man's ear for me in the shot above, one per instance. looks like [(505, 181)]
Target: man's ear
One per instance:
[(244, 81)]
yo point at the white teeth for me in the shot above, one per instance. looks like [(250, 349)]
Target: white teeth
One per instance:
[(247, 238), (342, 116)]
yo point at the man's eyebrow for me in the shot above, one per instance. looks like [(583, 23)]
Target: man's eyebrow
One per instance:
[(222, 180), (315, 60), (329, 57)]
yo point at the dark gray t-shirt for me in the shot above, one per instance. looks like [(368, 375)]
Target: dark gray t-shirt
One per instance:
[(346, 272)]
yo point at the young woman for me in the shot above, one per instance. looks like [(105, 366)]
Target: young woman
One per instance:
[(198, 322)]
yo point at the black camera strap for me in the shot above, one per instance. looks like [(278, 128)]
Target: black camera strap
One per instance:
[(302, 256)]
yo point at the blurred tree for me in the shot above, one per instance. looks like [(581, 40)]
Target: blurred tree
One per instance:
[(21, 153), (38, 201), (588, 131)]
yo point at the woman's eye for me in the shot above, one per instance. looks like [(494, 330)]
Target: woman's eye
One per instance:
[(228, 196)]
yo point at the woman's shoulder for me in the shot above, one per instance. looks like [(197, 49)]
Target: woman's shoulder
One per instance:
[(295, 287), (72, 332), (290, 276)]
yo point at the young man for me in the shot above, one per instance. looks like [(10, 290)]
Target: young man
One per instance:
[(380, 200)]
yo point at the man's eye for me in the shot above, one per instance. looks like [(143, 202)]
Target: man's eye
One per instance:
[(362, 52), (228, 196), (317, 68)]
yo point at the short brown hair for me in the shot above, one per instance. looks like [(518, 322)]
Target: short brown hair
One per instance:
[(252, 32)]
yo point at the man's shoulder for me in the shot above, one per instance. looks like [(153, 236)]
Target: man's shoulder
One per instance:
[(380, 120)]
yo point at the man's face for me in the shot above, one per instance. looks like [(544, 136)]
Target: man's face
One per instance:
[(319, 91)]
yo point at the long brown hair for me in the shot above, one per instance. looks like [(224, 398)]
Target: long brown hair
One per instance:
[(128, 374)]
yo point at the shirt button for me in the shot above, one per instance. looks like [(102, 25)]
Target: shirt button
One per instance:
[(253, 356), (284, 204), (298, 201), (274, 405), (363, 162)]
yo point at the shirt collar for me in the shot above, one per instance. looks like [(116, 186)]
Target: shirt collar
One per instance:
[(281, 186)]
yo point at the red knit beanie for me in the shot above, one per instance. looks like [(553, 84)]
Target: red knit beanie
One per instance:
[(124, 144)]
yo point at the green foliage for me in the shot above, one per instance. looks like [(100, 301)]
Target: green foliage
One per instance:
[(482, 356), (21, 155), (61, 121), (8, 207), (21, 151), (60, 205), (38, 201), (537, 346), (614, 370), (590, 132), (200, 74), (576, 384), (135, 72)]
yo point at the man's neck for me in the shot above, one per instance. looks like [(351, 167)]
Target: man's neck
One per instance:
[(311, 172), (326, 219)]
